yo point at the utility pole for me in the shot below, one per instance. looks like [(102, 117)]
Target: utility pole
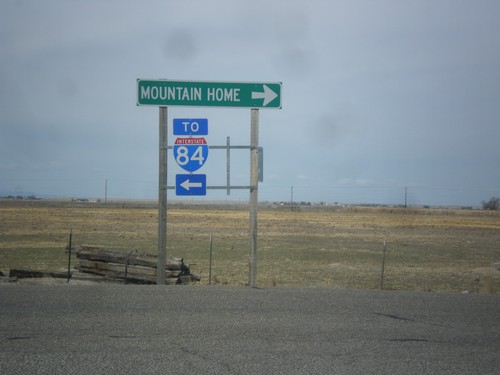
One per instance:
[(291, 198), (406, 197)]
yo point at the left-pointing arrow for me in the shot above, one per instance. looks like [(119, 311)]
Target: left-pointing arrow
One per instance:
[(188, 185), (268, 95)]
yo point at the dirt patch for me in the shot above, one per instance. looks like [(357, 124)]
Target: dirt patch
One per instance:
[(486, 271)]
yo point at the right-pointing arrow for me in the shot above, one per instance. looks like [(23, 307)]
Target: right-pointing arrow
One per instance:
[(268, 95)]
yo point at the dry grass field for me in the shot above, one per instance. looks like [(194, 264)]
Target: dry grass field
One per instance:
[(427, 249)]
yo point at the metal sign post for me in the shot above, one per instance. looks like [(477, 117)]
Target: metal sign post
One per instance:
[(254, 198), (162, 199)]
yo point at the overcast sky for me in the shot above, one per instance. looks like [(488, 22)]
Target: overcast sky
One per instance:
[(377, 96)]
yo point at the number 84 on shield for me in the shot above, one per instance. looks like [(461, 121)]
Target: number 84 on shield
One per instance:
[(190, 153)]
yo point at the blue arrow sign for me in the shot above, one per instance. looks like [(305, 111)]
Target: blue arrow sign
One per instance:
[(191, 184), (190, 153), (190, 126)]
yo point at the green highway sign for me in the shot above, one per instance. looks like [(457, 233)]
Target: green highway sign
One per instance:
[(208, 94)]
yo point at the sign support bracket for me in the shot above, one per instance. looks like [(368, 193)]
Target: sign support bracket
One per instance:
[(228, 187)]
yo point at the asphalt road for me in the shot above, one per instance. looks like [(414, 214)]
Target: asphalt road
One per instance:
[(105, 329)]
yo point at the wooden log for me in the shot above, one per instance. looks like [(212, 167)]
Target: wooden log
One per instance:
[(20, 274), (121, 271), (131, 270), (132, 266), (81, 276), (127, 257)]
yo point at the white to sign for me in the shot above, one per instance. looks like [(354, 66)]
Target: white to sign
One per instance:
[(190, 153), (189, 126)]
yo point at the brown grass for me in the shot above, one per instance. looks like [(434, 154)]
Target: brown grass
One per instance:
[(428, 250)]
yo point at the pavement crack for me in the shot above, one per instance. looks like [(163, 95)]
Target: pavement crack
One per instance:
[(394, 317)]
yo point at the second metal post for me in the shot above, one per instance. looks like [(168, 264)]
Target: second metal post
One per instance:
[(254, 197)]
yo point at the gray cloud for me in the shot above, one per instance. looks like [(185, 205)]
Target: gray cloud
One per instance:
[(376, 95), (181, 45)]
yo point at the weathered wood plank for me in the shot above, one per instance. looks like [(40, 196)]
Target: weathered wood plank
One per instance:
[(20, 273), (130, 270), (132, 265), (126, 257), (117, 276)]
